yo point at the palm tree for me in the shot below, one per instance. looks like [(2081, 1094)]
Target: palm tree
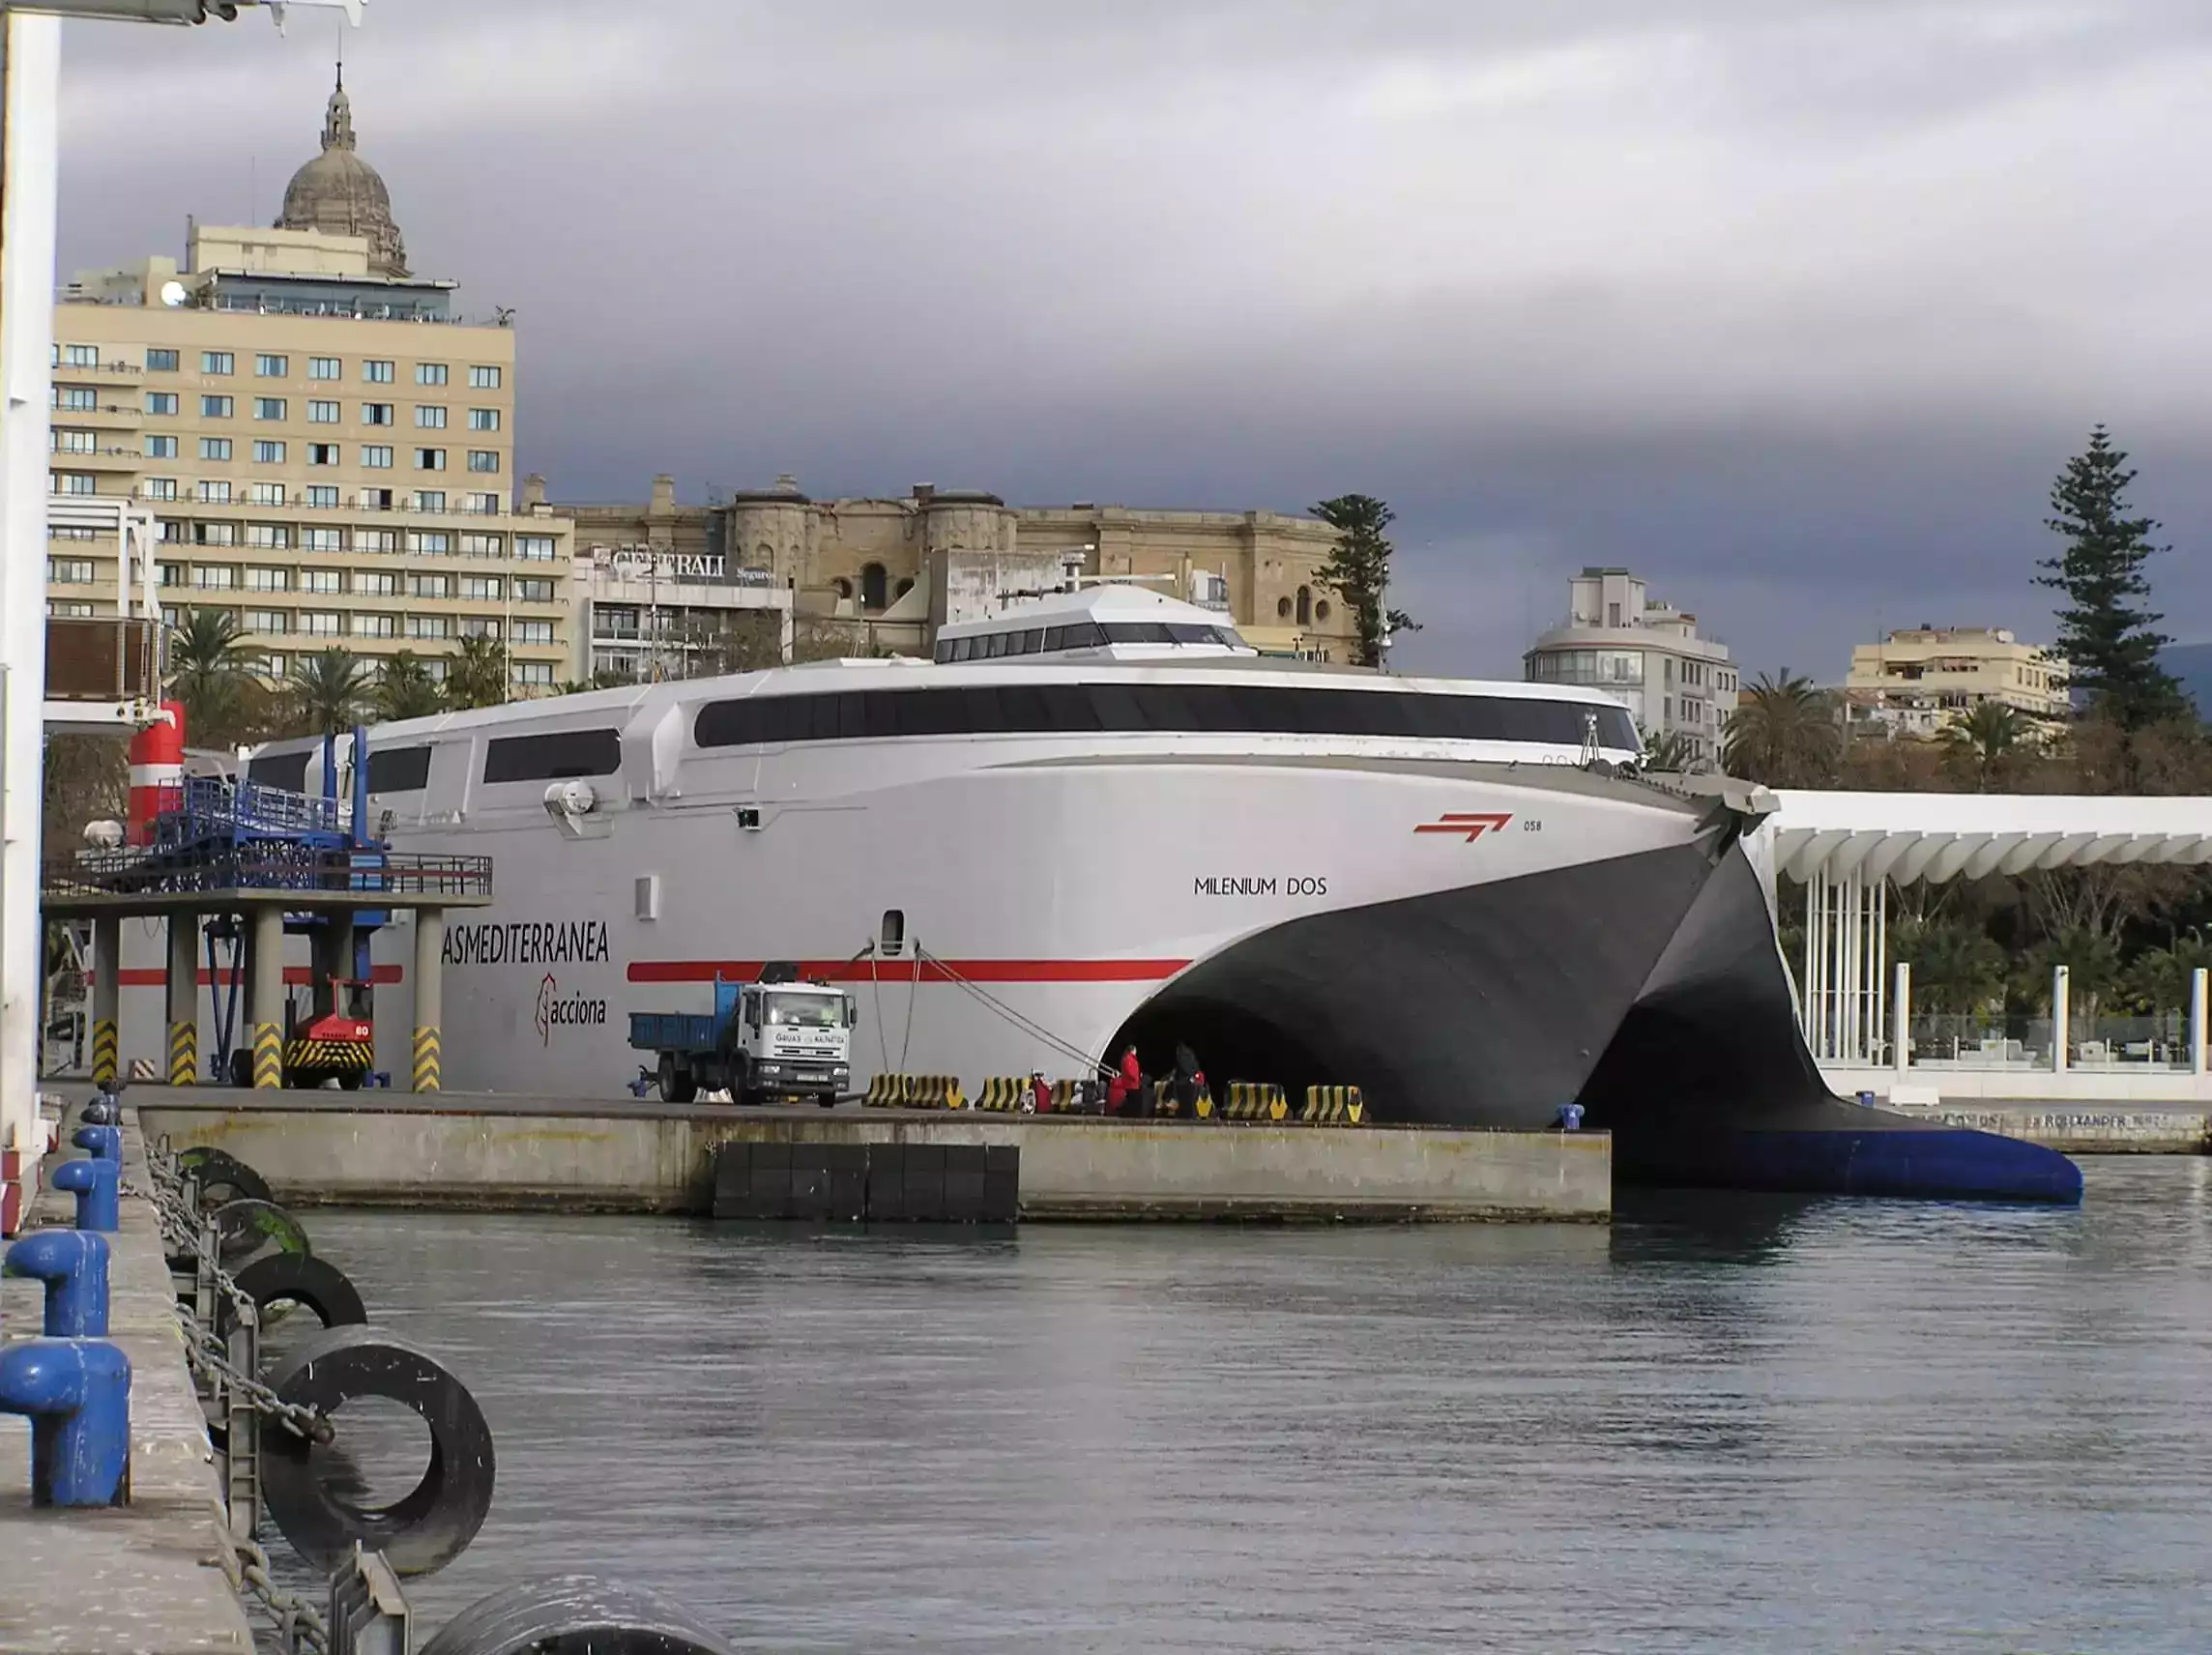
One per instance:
[(477, 674), (208, 673), (1784, 734), (405, 690), (1984, 743), (1671, 752), (326, 692)]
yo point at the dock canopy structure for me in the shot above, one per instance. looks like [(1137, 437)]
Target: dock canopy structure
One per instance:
[(1847, 849)]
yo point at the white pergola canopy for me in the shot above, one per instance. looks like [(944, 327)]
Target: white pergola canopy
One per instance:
[(1905, 837)]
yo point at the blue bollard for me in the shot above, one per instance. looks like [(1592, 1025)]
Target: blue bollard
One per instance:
[(73, 1266), (97, 1185), (104, 1142), (1866, 1100), (1569, 1119), (78, 1394)]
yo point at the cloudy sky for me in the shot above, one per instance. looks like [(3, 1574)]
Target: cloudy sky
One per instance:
[(1792, 305)]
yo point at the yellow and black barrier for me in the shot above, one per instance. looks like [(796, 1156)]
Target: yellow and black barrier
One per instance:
[(183, 1054), (1255, 1100), (1333, 1106), (886, 1092), (268, 1057), (329, 1057), (428, 1070), (1003, 1094), (935, 1091), (103, 1051)]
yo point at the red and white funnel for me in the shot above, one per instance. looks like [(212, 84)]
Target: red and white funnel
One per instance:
[(157, 773)]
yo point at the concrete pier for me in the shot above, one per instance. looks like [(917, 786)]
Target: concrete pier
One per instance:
[(145, 1577), (501, 1152), (182, 984), (266, 984), (106, 996)]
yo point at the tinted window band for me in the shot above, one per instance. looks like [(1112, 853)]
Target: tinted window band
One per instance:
[(562, 754), (1206, 709), (287, 771), (398, 770)]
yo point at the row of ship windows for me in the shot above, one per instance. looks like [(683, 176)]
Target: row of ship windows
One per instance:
[(429, 415), (269, 365), (555, 757), (1082, 709), (272, 451), (1082, 635), (280, 537)]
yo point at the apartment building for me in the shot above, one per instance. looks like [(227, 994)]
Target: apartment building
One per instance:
[(328, 450), (1920, 679), (1617, 638)]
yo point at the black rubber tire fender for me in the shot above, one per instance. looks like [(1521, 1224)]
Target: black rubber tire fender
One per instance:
[(301, 1278), (574, 1613), (222, 1175)]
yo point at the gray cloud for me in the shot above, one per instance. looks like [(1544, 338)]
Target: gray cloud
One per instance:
[(1793, 304)]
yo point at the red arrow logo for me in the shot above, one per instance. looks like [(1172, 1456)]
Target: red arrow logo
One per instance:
[(1471, 826)]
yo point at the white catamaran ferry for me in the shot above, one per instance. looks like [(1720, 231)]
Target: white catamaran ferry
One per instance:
[(1096, 820)]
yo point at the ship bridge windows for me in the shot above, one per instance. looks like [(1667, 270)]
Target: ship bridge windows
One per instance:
[(286, 771), (1082, 635), (398, 770), (1218, 709), (556, 756)]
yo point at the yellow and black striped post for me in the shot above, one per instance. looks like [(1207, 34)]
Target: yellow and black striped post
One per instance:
[(104, 1052), (426, 1076), (183, 1054), (268, 1056)]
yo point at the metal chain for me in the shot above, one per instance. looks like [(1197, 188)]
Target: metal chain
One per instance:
[(298, 1623), (211, 1362)]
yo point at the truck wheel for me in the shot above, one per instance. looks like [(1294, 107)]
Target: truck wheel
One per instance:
[(349, 1080), (826, 1099), (741, 1092), (681, 1088)]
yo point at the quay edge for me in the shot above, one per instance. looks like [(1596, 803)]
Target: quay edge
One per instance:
[(495, 1152)]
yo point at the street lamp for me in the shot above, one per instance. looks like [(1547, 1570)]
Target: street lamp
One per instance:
[(30, 90)]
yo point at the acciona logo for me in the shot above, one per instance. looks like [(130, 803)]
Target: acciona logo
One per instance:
[(556, 1010)]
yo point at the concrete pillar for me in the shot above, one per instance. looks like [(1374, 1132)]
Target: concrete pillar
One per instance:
[(106, 997), (430, 997), (182, 983), (267, 1012), (2059, 1011), (1901, 1042), (2196, 1008)]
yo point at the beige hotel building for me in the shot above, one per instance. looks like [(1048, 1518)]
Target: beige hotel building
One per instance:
[(328, 452)]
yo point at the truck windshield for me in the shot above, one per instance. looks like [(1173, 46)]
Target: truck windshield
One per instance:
[(807, 1010)]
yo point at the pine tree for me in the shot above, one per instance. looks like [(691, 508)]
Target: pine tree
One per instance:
[(2105, 632), (1358, 571)]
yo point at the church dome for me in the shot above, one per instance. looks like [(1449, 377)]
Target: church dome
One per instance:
[(339, 194)]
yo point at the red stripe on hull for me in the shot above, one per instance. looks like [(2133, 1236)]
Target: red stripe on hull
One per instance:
[(154, 976), (906, 971)]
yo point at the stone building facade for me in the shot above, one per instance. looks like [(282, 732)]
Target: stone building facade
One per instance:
[(867, 575)]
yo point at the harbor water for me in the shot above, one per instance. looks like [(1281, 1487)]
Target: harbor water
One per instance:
[(1723, 1423)]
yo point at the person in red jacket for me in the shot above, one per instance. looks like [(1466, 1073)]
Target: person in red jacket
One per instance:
[(1040, 1093), (1127, 1088)]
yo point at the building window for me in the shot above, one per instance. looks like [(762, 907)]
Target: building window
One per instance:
[(534, 548), (1305, 606), (322, 541), (76, 356), (268, 620), (481, 504), (267, 366), (218, 361), (375, 456), (160, 359), (483, 588), (874, 586), (268, 453), (376, 413), (157, 488), (484, 379), (168, 574), (480, 546), (71, 531), (430, 586), (265, 494), (322, 413), (73, 483), (161, 448), (326, 367), (161, 402), (321, 623), (429, 459), (171, 531), (214, 533), (484, 419), (375, 499), (214, 407), (430, 542), (374, 583), (269, 408), (479, 626), (375, 626), (430, 417), (271, 536), (430, 373), (320, 497), (260, 579), (484, 460), (534, 632), (1321, 610), (429, 626), (430, 500), (215, 493), (214, 577), (376, 372), (322, 454), (72, 442), (73, 609), (215, 447), (76, 399), (69, 571), (322, 582), (535, 673)]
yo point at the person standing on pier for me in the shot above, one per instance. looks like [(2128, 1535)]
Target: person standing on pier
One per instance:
[(1126, 1092)]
